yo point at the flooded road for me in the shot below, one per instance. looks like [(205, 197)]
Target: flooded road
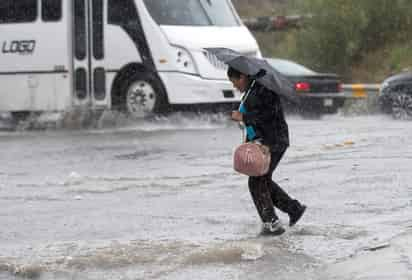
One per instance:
[(159, 200)]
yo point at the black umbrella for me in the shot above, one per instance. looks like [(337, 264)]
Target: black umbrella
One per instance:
[(258, 69)]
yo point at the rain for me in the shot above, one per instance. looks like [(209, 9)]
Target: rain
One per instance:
[(110, 171)]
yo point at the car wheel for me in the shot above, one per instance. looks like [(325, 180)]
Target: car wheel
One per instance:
[(311, 109), (311, 114), (331, 110), (20, 116), (141, 96), (402, 106)]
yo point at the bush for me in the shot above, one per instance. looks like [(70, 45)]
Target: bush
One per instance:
[(341, 32)]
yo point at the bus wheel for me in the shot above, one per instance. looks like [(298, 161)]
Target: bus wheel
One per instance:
[(143, 96)]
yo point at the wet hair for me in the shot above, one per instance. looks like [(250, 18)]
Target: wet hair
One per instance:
[(233, 73)]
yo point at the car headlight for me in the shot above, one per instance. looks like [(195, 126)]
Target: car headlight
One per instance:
[(184, 61)]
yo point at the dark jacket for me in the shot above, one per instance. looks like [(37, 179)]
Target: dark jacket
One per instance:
[(265, 115)]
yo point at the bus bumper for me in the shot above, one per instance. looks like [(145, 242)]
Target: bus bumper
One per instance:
[(190, 89)]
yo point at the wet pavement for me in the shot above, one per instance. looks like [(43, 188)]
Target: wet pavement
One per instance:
[(159, 200)]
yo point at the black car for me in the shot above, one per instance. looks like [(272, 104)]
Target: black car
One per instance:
[(395, 95), (318, 93)]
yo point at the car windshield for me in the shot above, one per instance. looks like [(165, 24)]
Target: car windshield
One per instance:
[(192, 12), (289, 68)]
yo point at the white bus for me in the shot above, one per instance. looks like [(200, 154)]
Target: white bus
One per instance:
[(136, 56)]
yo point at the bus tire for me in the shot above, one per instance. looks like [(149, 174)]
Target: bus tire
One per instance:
[(141, 95)]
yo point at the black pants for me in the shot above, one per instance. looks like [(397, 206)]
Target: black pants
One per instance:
[(266, 193)]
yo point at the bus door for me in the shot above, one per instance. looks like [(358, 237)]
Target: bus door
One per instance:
[(88, 53)]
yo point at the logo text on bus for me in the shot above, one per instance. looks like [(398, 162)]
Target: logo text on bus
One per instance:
[(23, 47)]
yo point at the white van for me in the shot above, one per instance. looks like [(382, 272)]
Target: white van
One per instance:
[(136, 56)]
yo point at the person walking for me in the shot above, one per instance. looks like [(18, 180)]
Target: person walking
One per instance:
[(262, 115)]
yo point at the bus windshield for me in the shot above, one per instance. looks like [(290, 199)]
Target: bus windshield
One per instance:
[(192, 12)]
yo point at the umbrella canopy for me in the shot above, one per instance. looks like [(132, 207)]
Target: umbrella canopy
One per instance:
[(257, 69)]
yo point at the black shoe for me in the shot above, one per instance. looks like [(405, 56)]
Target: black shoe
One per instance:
[(296, 215), (273, 228)]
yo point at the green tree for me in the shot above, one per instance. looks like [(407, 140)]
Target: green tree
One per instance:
[(341, 32)]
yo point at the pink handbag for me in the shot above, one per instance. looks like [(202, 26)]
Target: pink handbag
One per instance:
[(252, 159)]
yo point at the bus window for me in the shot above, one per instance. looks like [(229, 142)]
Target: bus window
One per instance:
[(51, 10), (98, 50), (121, 11), (80, 29), (192, 12), (12, 11), (220, 13), (81, 83), (99, 83)]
